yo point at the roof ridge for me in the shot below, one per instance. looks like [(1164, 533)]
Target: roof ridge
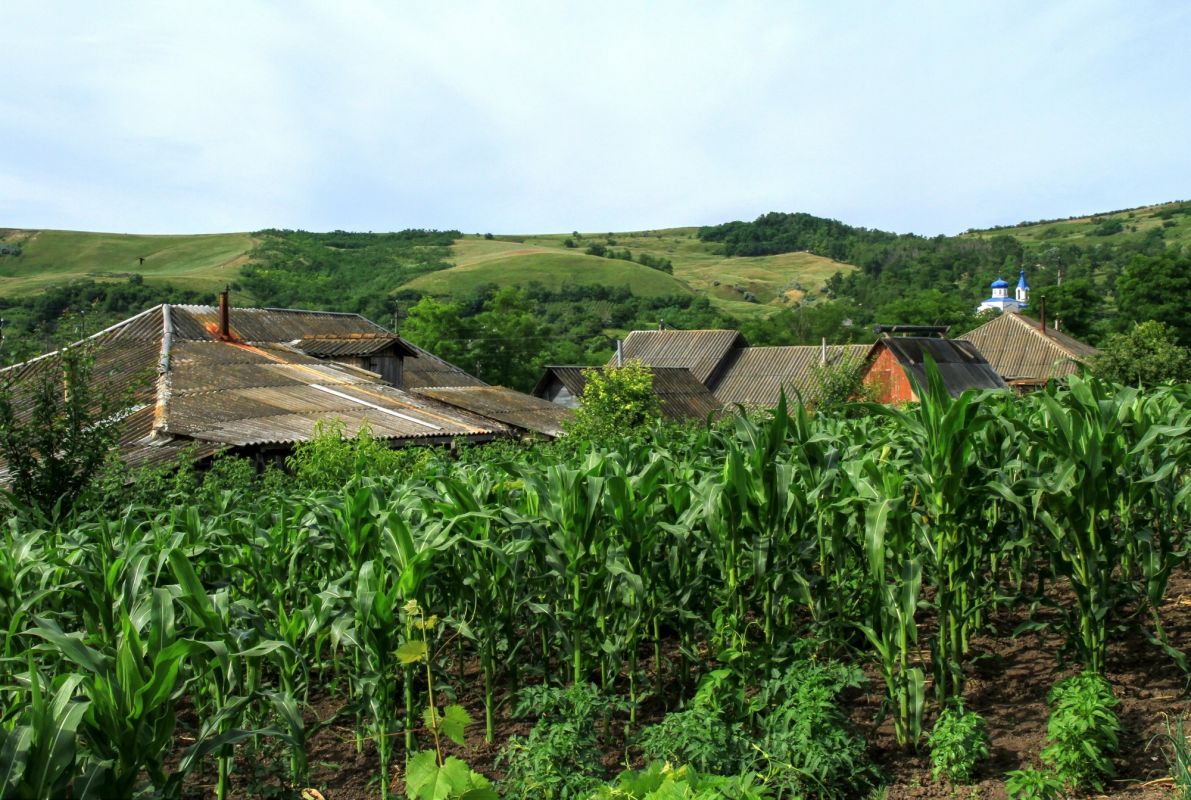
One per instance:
[(1038, 331)]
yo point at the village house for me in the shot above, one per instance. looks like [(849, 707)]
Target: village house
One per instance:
[(1026, 353), (203, 379)]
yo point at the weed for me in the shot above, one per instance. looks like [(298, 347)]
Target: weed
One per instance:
[(958, 743), (1082, 731)]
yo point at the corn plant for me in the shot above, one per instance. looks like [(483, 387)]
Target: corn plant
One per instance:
[(39, 753), (892, 585)]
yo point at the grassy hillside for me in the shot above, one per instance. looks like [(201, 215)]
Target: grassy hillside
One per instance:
[(754, 286), (53, 257), (552, 268), (741, 287), (1173, 219)]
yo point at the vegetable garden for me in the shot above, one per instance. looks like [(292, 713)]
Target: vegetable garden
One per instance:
[(698, 607)]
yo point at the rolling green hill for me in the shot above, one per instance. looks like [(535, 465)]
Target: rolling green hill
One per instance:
[(748, 286), (1172, 219), (203, 262), (551, 268), (738, 286)]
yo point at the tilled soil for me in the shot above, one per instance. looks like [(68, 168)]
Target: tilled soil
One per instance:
[(1008, 680)]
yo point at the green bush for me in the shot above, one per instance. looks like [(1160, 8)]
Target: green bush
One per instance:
[(700, 738), (1032, 784), (810, 747), (560, 757), (1082, 730), (616, 402), (664, 782), (958, 743), (329, 459)]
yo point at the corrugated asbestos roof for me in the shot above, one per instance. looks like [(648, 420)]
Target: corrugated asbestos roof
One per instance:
[(960, 363), (680, 395), (1020, 352), (427, 370), (699, 352), (185, 385), (757, 376), (510, 407), (356, 344)]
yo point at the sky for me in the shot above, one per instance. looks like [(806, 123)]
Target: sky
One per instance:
[(515, 117)]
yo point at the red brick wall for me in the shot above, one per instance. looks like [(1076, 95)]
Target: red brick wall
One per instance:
[(887, 376)]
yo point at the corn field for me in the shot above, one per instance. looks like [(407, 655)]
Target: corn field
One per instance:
[(143, 653)]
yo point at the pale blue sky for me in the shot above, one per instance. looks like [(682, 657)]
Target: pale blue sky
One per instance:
[(536, 117)]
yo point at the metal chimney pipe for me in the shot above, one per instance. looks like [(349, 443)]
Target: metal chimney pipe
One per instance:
[(225, 328), (619, 353), (823, 352), (1042, 314)]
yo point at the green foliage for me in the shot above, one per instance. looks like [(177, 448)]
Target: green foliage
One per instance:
[(1082, 731), (1177, 749), (55, 430), (1032, 784), (427, 779), (840, 382), (1077, 304), (660, 781), (329, 459), (1146, 355), (958, 743), (560, 758), (1158, 287), (341, 271), (699, 737), (809, 748), (616, 402), (38, 750)]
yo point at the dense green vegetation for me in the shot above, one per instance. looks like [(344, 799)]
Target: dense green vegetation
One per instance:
[(1118, 276), (179, 630), (781, 279)]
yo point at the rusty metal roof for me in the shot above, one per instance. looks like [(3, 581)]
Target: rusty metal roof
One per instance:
[(511, 407), (702, 353), (960, 363), (757, 376), (1021, 352), (680, 395), (185, 385), (268, 324)]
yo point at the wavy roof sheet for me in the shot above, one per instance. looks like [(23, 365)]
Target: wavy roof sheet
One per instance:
[(960, 363), (757, 376), (184, 385), (511, 407), (1021, 352), (699, 352)]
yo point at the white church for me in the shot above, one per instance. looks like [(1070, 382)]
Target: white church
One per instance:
[(1001, 301)]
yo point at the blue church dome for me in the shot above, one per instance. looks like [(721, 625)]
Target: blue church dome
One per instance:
[(1000, 283), (1021, 280)]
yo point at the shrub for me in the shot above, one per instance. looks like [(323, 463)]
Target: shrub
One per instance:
[(809, 744), (1082, 731), (664, 782), (560, 756), (56, 429), (958, 743), (1032, 784), (616, 402), (700, 738), (329, 459)]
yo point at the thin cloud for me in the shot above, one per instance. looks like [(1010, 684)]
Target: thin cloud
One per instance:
[(531, 117)]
